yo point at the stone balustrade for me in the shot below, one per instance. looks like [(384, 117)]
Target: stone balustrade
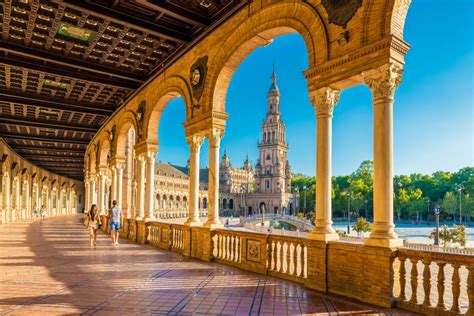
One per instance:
[(443, 281), (433, 282)]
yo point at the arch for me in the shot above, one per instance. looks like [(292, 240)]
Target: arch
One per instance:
[(125, 123), (231, 204), (174, 87), (204, 203), (224, 203), (104, 150), (259, 29), (262, 207)]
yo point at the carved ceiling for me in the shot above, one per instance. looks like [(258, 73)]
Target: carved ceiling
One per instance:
[(66, 66)]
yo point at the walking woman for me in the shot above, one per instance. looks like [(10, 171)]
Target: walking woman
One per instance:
[(43, 213), (93, 224)]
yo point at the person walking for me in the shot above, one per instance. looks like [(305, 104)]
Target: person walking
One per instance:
[(43, 213), (115, 216), (93, 226), (35, 212)]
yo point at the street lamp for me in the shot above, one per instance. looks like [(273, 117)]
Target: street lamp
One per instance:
[(366, 213), (460, 188), (428, 202), (348, 213), (436, 239), (304, 204), (294, 197)]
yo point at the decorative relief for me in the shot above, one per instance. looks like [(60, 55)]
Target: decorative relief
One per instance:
[(384, 80), (195, 142), (253, 250), (141, 118), (215, 136), (324, 100), (340, 12), (198, 76)]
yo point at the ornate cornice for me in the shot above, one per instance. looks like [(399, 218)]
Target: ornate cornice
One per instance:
[(393, 43)]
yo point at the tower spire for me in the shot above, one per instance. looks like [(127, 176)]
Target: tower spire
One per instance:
[(273, 87)]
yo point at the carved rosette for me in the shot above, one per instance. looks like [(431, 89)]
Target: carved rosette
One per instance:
[(195, 142), (384, 80), (214, 136), (324, 100)]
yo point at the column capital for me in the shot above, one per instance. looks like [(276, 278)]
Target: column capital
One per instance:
[(214, 136), (146, 146), (117, 160), (195, 141), (384, 80), (324, 100)]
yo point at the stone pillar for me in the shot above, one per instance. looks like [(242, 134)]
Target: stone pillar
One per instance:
[(150, 185), (195, 143), (86, 194), (113, 193), (383, 82), (141, 187), (324, 101), (213, 187), (93, 193), (101, 198), (119, 176)]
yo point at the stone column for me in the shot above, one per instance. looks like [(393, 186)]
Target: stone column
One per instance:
[(150, 185), (383, 82), (141, 187), (113, 193), (324, 100), (195, 143), (93, 195), (86, 194), (214, 138), (119, 180), (101, 198)]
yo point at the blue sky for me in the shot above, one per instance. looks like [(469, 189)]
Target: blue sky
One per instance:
[(433, 111)]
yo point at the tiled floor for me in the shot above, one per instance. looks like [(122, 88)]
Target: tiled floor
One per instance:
[(48, 268)]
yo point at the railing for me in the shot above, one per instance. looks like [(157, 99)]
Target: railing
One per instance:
[(294, 219), (275, 231), (434, 282), (287, 257), (165, 235), (425, 247), (227, 246), (177, 237)]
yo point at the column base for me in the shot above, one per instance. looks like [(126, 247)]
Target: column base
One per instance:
[(213, 224), (192, 223), (384, 243), (323, 236)]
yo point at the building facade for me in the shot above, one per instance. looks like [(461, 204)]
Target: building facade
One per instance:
[(248, 190)]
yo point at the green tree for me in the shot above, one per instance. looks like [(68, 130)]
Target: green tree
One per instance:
[(362, 226), (449, 203)]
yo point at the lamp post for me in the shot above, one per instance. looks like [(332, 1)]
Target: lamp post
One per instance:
[(348, 213), (366, 213), (436, 238), (304, 197), (428, 210), (294, 197), (460, 188)]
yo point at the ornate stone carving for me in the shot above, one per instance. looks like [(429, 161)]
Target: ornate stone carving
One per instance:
[(195, 142), (214, 136), (197, 77), (141, 110), (384, 80), (340, 12), (324, 100)]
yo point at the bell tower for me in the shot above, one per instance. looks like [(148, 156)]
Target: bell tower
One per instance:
[(273, 170)]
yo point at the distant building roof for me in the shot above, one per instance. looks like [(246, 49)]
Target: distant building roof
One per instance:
[(170, 170), (203, 172)]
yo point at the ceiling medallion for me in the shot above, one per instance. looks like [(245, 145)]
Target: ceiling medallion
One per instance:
[(340, 12)]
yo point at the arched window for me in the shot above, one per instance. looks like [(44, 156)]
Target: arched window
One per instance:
[(224, 203), (231, 204), (267, 184), (204, 203)]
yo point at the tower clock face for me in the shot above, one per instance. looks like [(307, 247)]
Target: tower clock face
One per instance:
[(196, 77)]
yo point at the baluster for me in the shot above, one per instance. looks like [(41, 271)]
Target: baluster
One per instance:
[(402, 277), (287, 258), (231, 247), (470, 290), (456, 287), (304, 258), (221, 246), (426, 282), (238, 249), (278, 256), (299, 261), (295, 260), (273, 257), (440, 283), (414, 281), (227, 255)]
